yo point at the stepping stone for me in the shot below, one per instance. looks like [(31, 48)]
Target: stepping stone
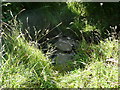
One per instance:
[(63, 58), (64, 44)]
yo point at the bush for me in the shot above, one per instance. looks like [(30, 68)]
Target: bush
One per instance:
[(97, 16)]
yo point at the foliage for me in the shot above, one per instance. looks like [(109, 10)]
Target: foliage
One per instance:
[(26, 70), (95, 75), (9, 10), (87, 53), (78, 8), (100, 16), (24, 65)]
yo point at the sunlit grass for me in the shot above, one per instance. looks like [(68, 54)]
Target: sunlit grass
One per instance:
[(95, 75), (24, 65)]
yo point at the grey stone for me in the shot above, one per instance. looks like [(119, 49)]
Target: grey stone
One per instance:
[(64, 44), (63, 58), (39, 20)]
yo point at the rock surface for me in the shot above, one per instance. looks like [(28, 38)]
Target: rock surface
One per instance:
[(64, 44), (62, 58), (64, 51)]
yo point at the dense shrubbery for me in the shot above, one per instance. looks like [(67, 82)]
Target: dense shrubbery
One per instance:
[(84, 16), (95, 16)]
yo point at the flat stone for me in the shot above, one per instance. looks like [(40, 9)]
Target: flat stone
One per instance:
[(64, 44), (63, 58)]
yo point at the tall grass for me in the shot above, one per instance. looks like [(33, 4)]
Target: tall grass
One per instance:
[(95, 71), (27, 67), (106, 49), (24, 65), (95, 75)]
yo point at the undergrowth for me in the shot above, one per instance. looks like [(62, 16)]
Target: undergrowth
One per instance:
[(91, 69), (95, 75), (24, 66), (91, 52)]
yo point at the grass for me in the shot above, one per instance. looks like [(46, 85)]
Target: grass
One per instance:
[(95, 75), (24, 66)]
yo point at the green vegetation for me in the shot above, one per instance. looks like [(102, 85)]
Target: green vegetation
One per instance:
[(95, 75), (25, 66), (96, 72)]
